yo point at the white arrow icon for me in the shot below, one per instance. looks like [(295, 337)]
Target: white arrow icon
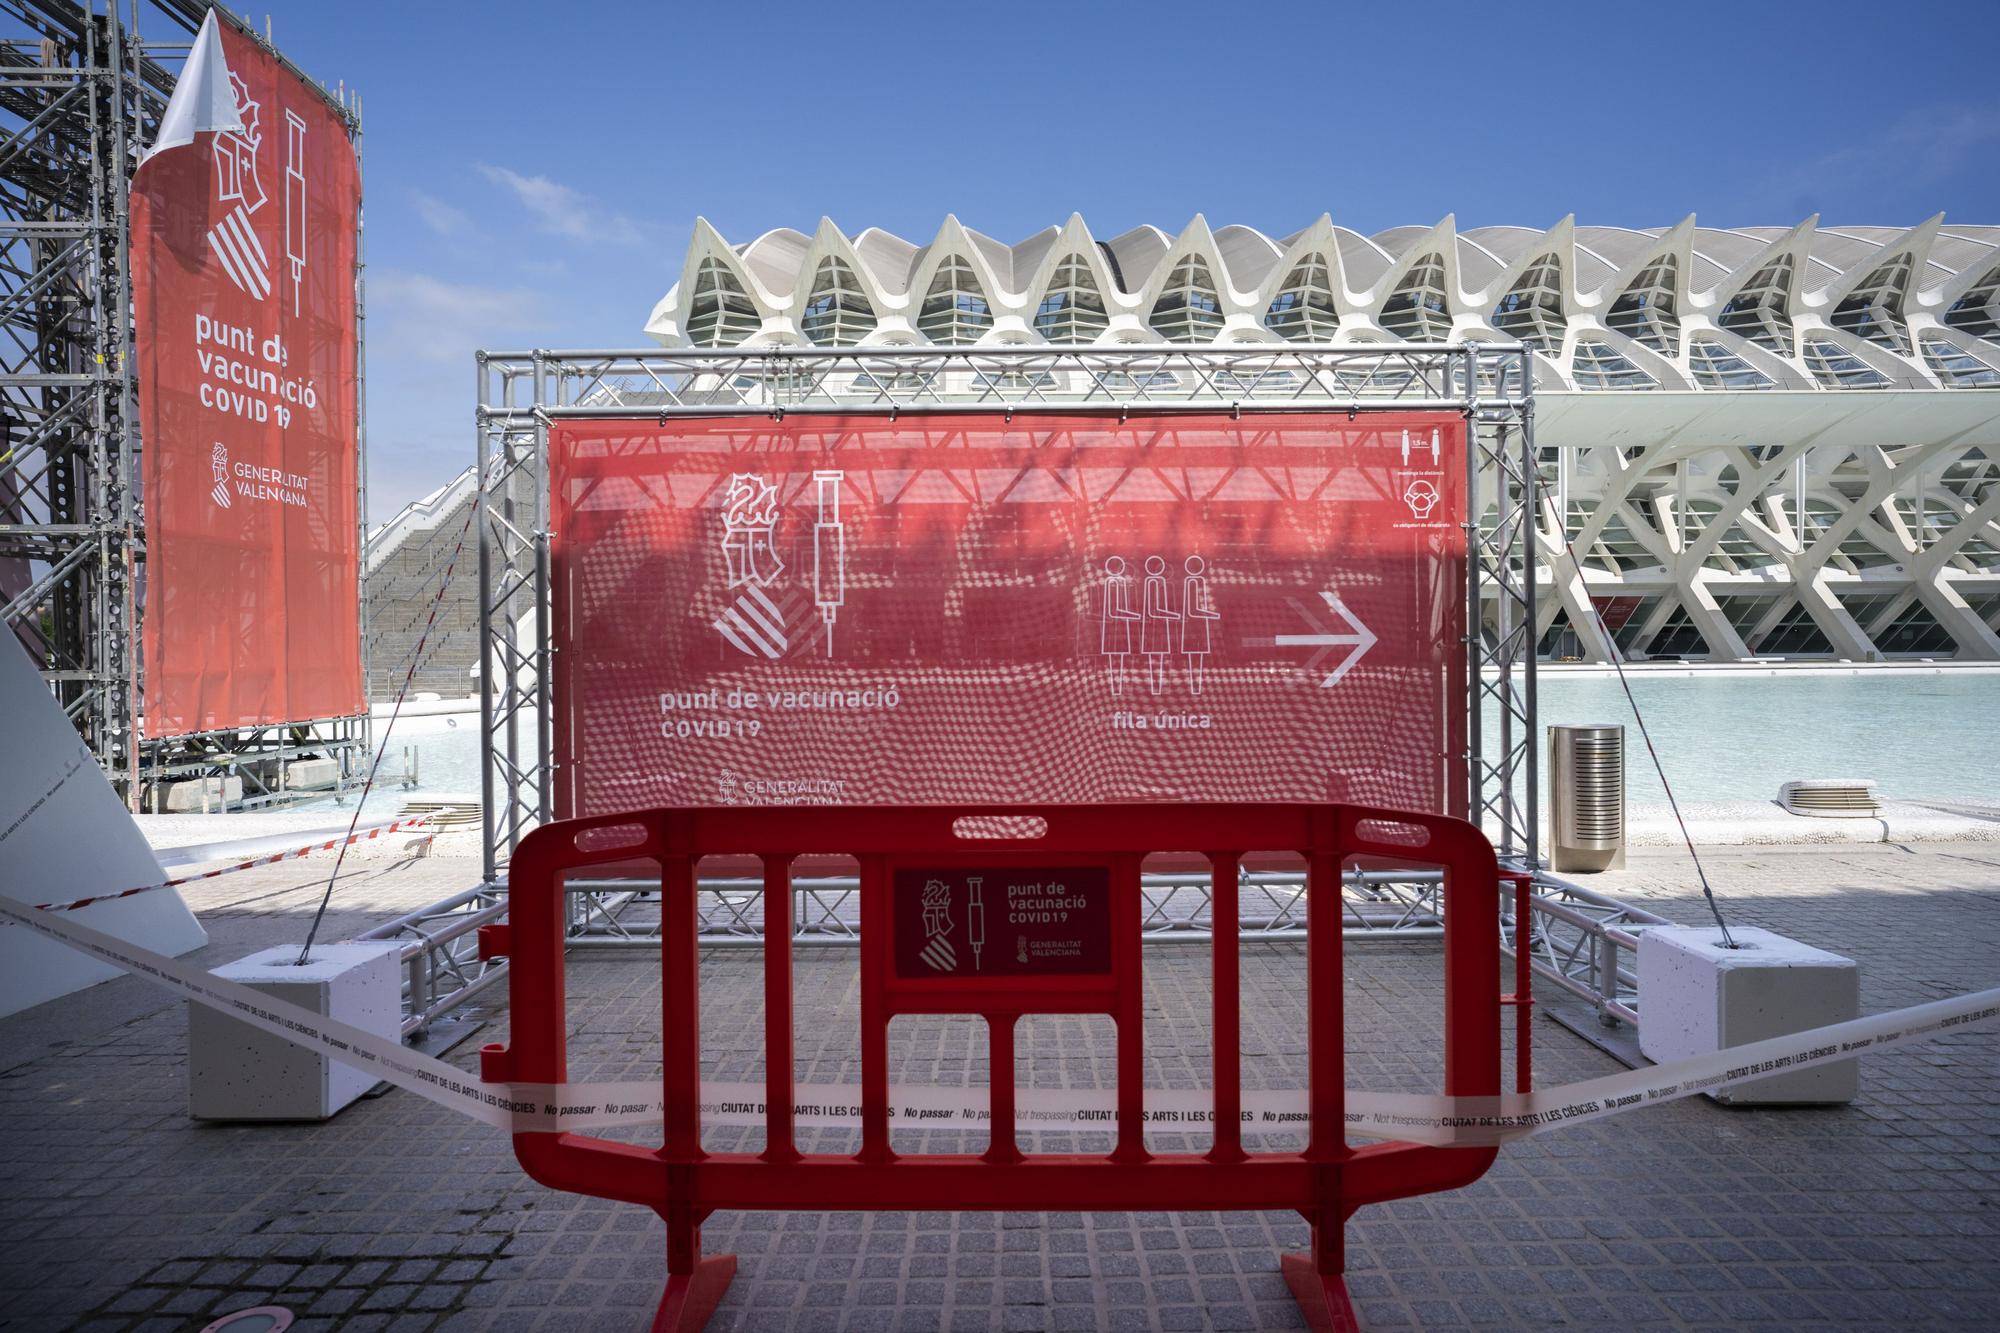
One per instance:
[(1361, 640)]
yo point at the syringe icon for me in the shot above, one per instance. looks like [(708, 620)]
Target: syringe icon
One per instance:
[(829, 553), (975, 918), (295, 201)]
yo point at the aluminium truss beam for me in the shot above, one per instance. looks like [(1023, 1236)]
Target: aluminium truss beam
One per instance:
[(521, 393)]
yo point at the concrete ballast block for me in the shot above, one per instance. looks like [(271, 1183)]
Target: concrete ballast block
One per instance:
[(1696, 997), (238, 1072), (199, 795), (311, 774)]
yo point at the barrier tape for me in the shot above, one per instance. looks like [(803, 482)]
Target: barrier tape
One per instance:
[(375, 765), (352, 836), (379, 830), (1447, 1121)]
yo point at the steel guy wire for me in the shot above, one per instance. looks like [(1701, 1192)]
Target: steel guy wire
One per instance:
[(382, 746), (1618, 665)]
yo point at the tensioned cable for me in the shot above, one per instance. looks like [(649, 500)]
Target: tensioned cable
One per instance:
[(1618, 664), (382, 748)]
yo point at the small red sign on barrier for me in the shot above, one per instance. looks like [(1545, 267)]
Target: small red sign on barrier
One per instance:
[(988, 922), (1044, 924)]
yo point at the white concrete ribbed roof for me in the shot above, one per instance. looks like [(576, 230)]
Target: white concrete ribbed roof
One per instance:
[(1659, 307)]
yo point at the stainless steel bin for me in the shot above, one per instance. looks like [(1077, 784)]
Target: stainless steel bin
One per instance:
[(1587, 796)]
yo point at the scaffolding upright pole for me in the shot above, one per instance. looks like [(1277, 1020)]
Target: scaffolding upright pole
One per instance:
[(1475, 584), (361, 421), (489, 860), (1531, 510)]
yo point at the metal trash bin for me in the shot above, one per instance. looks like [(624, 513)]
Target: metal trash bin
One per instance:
[(1587, 796)]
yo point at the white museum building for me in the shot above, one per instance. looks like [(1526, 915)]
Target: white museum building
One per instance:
[(1762, 442)]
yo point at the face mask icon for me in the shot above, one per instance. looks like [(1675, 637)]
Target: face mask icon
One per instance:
[(1421, 497)]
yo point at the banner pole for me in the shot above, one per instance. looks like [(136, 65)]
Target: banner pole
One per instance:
[(488, 820), (125, 717), (1473, 800), (1530, 648), (360, 429)]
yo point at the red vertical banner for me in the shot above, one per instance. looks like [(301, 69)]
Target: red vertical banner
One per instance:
[(1064, 609), (243, 269)]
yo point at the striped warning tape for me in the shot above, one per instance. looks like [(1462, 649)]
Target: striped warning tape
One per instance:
[(362, 835), (290, 854), (1424, 1118)]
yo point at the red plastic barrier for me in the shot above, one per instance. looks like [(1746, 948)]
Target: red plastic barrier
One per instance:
[(922, 873)]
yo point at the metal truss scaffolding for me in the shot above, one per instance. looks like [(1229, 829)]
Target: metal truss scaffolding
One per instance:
[(80, 94), (521, 393)]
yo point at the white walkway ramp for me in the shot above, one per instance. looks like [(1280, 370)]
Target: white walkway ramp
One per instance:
[(64, 834)]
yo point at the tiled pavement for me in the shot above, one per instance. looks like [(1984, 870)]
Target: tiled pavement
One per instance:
[(116, 1212)]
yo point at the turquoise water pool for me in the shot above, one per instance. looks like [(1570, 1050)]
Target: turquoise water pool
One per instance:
[(1722, 736), (1725, 737)]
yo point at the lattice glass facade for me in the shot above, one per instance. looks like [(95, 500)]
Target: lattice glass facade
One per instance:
[(1760, 310), (1187, 309), (1978, 311), (1645, 312), (1416, 310), (1955, 365), (955, 309), (1599, 365), (1072, 305), (1837, 368), (1533, 310), (1874, 310), (838, 312), (721, 313), (1304, 309), (1716, 367)]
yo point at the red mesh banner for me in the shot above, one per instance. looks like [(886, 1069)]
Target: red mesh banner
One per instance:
[(243, 264), (1061, 609)]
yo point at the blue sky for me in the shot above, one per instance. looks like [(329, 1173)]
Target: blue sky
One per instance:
[(532, 171)]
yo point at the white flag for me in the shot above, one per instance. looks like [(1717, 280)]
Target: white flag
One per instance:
[(203, 99)]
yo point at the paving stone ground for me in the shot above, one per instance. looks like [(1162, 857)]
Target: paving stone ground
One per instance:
[(117, 1212)]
